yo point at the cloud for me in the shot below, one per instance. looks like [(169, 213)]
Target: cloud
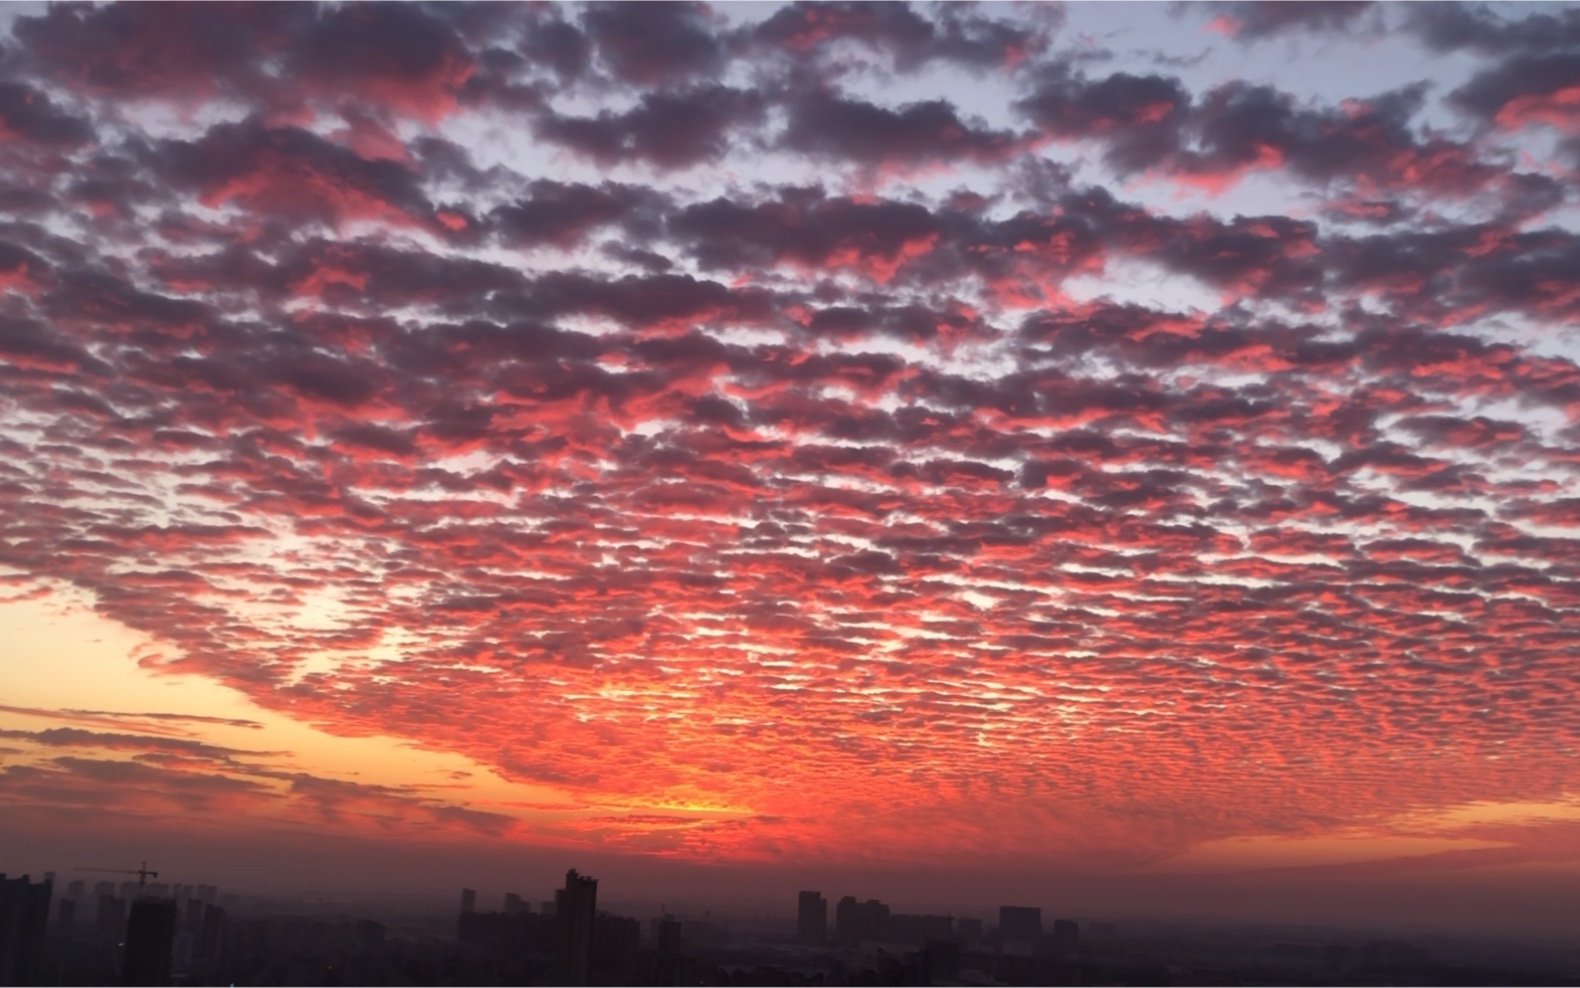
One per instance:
[(1526, 89), (1457, 26), (1257, 20), (859, 401), (908, 38), (911, 136), (667, 129)]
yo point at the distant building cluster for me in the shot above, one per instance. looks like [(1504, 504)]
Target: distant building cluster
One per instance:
[(142, 933), (873, 921), (133, 933)]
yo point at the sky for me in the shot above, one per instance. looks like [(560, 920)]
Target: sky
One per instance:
[(1121, 456)]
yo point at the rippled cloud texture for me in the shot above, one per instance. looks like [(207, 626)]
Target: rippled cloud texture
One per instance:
[(1108, 436)]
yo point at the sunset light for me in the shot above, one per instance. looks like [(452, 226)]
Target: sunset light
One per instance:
[(1124, 455)]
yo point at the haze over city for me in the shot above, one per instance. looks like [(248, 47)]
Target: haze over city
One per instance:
[(1117, 459)]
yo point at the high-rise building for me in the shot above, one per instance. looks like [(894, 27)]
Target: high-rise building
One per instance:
[(24, 921), (1066, 935), (666, 934), (855, 921), (150, 941), (109, 918), (812, 918), (76, 890), (913, 928), (211, 933), (515, 905), (617, 946), (469, 900), (65, 918), (940, 961), (1020, 923), (575, 909)]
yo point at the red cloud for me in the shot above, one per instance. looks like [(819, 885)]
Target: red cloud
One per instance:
[(765, 510)]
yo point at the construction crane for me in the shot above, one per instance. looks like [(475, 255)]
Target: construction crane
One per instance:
[(143, 874)]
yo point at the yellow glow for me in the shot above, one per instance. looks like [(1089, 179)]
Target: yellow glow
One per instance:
[(1516, 814), (61, 655), (1243, 853)]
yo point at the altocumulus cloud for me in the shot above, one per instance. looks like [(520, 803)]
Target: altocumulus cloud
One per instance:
[(838, 413)]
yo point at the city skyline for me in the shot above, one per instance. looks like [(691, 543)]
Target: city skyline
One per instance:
[(161, 933), (1118, 459)]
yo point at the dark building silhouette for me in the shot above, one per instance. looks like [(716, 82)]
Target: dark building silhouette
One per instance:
[(468, 900), (575, 909), (702, 933), (617, 947), (968, 929), (24, 921), (66, 916), (150, 939), (666, 934), (856, 921), (918, 929), (1020, 923), (210, 941), (940, 961), (109, 918), (812, 918), (512, 938), (515, 904), (1066, 935)]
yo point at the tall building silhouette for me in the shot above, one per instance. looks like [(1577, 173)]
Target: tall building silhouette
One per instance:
[(855, 921), (150, 940), (666, 934), (617, 947), (575, 910), (210, 933), (469, 900), (918, 929), (1020, 923), (65, 919), (812, 918), (24, 920), (109, 918), (1066, 934)]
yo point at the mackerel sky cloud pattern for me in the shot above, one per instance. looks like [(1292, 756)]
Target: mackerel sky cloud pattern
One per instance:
[(1014, 432)]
